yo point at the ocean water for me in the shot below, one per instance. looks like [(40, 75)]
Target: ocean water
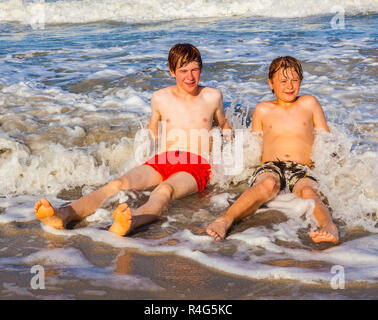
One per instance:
[(76, 78)]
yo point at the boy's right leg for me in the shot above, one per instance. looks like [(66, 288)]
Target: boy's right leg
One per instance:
[(178, 185), (139, 178), (306, 188), (265, 188)]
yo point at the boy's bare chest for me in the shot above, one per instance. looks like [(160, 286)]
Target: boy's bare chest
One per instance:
[(292, 121), (187, 115)]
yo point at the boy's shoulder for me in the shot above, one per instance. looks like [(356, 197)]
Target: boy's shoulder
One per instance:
[(160, 93), (307, 98), (310, 102), (160, 97), (211, 93), (264, 106), (210, 90)]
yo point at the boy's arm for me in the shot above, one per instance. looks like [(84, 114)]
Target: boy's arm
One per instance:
[(319, 119), (257, 125), (318, 116), (153, 125), (220, 115)]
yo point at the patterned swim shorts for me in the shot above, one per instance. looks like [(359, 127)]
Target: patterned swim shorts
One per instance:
[(289, 172)]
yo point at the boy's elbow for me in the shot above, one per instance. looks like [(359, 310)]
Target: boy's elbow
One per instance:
[(226, 126), (153, 130), (322, 129)]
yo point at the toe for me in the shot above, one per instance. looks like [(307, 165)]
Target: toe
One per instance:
[(45, 203), (218, 238), (122, 208), (213, 234), (323, 236), (36, 206)]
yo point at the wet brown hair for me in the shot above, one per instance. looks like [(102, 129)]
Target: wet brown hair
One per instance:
[(181, 54), (285, 63)]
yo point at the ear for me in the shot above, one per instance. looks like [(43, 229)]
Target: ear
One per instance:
[(270, 82), (172, 73)]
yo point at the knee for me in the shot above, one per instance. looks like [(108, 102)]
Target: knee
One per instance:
[(306, 192), (116, 185), (163, 190), (271, 185)]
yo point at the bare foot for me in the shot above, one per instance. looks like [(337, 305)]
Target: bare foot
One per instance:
[(122, 220), (218, 228), (46, 213), (327, 234)]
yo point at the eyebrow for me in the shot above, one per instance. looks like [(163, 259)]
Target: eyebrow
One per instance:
[(186, 69)]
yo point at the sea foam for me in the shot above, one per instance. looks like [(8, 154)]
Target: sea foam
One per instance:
[(141, 11)]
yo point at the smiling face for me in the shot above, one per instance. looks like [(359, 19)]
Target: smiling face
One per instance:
[(187, 77), (285, 83)]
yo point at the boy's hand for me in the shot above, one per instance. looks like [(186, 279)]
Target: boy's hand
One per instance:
[(227, 134)]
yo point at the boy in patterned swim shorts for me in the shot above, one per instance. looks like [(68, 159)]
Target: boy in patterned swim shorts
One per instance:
[(289, 173), (186, 110), (287, 125)]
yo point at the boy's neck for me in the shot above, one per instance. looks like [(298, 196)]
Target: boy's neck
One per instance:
[(185, 94), (285, 104)]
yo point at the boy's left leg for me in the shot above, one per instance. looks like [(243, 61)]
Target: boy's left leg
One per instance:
[(306, 188), (177, 186), (265, 188)]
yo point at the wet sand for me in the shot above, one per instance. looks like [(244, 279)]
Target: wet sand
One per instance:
[(178, 278)]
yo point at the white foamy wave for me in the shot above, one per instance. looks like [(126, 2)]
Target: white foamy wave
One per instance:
[(347, 178), (86, 11), (55, 168)]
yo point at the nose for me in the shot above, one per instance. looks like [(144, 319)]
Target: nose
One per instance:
[(289, 84)]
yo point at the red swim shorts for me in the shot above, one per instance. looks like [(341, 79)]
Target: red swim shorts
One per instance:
[(170, 162)]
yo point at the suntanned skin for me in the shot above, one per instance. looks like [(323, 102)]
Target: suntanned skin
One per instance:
[(288, 126), (182, 107), (187, 112)]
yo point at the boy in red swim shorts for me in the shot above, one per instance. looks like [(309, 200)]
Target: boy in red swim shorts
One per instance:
[(187, 111)]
